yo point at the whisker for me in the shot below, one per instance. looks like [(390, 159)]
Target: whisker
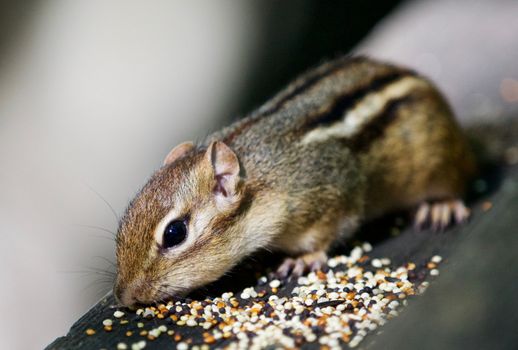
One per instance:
[(107, 260), (97, 283), (93, 227), (92, 272), (104, 200), (111, 239)]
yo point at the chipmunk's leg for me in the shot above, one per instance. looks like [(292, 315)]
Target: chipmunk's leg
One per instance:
[(307, 248), (302, 264), (439, 215)]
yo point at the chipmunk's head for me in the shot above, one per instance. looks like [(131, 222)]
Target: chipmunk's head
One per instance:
[(179, 232)]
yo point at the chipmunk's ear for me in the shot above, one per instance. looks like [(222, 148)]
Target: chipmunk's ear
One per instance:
[(178, 152), (226, 170)]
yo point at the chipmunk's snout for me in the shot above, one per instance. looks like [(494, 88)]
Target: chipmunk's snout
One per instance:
[(122, 296), (131, 294)]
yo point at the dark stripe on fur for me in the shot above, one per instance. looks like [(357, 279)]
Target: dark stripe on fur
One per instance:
[(376, 128), (219, 225), (243, 125), (310, 80), (349, 100)]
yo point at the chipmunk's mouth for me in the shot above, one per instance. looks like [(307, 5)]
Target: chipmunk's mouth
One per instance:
[(141, 292)]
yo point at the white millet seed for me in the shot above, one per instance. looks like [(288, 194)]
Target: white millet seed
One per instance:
[(377, 264), (436, 259), (367, 247), (275, 283), (182, 346)]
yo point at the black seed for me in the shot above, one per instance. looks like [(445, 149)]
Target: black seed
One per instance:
[(316, 329), (332, 303), (391, 279)]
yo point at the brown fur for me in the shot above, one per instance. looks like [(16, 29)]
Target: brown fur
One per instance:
[(289, 195), (421, 156)]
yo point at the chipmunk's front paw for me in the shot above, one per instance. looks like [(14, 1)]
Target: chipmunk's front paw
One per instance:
[(439, 215), (305, 263)]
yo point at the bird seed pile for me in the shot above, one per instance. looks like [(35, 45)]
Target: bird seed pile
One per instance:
[(331, 309)]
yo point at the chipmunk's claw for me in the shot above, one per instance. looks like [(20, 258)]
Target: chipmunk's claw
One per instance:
[(440, 215), (296, 267)]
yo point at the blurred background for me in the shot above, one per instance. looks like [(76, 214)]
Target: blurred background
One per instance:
[(93, 95)]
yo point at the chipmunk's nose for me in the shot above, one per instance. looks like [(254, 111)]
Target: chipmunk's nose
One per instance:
[(117, 293), (124, 295)]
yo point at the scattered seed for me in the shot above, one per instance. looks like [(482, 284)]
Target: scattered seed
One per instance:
[(436, 259), (275, 284), (148, 313), (487, 205), (182, 346), (376, 263), (336, 308)]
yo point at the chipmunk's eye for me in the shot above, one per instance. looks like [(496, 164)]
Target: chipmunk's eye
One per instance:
[(174, 234)]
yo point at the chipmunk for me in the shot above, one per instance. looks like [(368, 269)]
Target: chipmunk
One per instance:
[(349, 140)]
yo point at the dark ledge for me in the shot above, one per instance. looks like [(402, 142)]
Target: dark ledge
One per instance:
[(472, 304)]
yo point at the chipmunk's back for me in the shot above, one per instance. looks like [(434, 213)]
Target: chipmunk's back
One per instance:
[(388, 118)]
